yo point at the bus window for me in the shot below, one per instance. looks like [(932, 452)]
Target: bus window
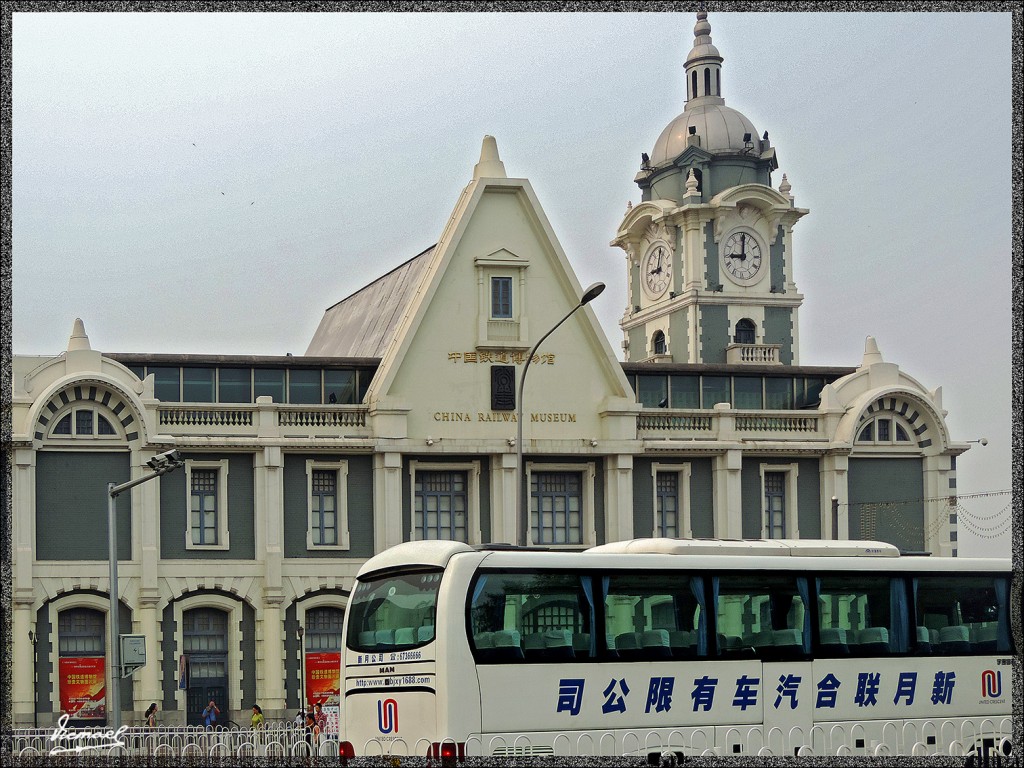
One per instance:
[(760, 615), (393, 613), (963, 614), (653, 616), (861, 615), (531, 617)]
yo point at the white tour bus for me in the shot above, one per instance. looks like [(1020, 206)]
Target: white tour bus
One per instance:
[(649, 646)]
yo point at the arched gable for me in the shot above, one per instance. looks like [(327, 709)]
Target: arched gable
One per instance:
[(98, 391)]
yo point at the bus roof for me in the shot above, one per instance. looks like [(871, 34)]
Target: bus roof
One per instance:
[(759, 547)]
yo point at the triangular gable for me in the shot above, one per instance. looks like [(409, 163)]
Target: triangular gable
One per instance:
[(437, 369)]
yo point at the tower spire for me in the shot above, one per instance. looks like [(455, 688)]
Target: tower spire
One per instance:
[(703, 67)]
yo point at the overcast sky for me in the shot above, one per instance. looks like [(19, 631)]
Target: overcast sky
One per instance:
[(211, 183)]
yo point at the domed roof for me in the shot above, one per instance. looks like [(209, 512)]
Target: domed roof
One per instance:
[(719, 127)]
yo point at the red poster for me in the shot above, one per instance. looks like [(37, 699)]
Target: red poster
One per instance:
[(82, 692), (323, 678)]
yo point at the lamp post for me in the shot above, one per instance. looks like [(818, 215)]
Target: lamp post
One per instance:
[(589, 295), (161, 464), (34, 639), (302, 673)]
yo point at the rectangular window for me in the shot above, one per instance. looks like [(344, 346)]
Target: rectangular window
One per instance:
[(324, 508), (762, 614), (235, 385), (327, 491), (963, 614), (747, 392), (204, 507), (775, 505), (856, 615), (198, 385), (440, 505), (269, 382), (655, 616), (83, 422), (556, 507), (532, 617), (778, 393), (339, 387), (652, 391), (667, 523), (685, 391), (714, 390), (501, 298), (809, 391), (166, 384), (304, 386), (884, 430)]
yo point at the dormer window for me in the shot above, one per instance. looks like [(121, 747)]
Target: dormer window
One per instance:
[(501, 317)]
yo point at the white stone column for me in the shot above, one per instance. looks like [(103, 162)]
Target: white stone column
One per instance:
[(503, 498), (834, 484), (728, 506), (387, 500), (618, 498), (269, 502), (22, 667), (937, 471), (147, 680)]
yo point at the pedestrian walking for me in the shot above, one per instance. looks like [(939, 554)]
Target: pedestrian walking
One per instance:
[(257, 717), (151, 716)]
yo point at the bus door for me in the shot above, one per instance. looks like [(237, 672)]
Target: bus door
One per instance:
[(788, 706)]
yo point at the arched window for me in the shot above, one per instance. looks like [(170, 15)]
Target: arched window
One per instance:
[(746, 332), (707, 81), (885, 430), (83, 422), (693, 84), (658, 343)]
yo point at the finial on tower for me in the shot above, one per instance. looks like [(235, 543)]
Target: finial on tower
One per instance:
[(691, 184), (490, 165)]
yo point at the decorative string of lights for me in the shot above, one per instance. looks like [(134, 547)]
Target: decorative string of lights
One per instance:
[(972, 523)]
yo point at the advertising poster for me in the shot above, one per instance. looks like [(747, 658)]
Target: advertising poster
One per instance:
[(323, 678), (82, 692)]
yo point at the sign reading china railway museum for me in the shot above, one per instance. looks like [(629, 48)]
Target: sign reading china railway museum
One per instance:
[(535, 418)]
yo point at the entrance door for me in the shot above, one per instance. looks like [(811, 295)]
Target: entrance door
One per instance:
[(206, 644)]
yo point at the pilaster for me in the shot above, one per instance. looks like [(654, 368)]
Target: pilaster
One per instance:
[(387, 495), (728, 515)]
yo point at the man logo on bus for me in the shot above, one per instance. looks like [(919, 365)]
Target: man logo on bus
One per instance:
[(991, 684), (387, 716)]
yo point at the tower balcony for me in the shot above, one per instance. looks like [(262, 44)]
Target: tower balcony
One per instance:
[(753, 354)]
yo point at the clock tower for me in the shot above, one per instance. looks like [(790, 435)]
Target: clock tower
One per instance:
[(709, 247)]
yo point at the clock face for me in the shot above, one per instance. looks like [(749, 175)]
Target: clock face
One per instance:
[(742, 256), (656, 271)]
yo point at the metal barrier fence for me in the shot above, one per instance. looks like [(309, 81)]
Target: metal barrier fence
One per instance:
[(281, 740)]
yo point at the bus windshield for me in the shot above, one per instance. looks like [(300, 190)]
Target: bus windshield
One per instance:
[(395, 612)]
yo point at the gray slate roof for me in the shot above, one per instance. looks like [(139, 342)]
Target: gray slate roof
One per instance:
[(364, 324)]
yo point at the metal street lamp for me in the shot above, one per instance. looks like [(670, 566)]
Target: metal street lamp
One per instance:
[(34, 639), (302, 674), (589, 295), (161, 464)]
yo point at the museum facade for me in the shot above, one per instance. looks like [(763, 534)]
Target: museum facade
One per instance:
[(400, 422)]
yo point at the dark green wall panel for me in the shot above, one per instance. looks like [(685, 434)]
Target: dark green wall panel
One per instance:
[(360, 505), (71, 505), (886, 501), (241, 511), (702, 498), (778, 329)]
